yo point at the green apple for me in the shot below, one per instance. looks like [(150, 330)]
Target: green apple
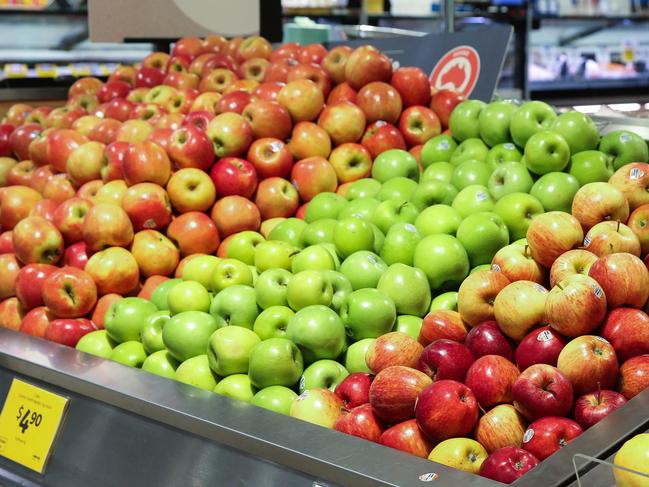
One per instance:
[(482, 235), (200, 269), (556, 191), (397, 188), (325, 374), (408, 324), (321, 231), (362, 208), (161, 363), (470, 172), (545, 152), (438, 149), (274, 254), (125, 317), (308, 288), (324, 205), (274, 398), (275, 362), (242, 246), (341, 288), (502, 153), (313, 257), (473, 199), (272, 322), (407, 287), (363, 188), (469, 150), (464, 121), (289, 231), (363, 269), (271, 286), (379, 237), (129, 353), (394, 211), (159, 295), (231, 272), (237, 386), (447, 300), (578, 129), (96, 343), (151, 331), (509, 177), (393, 163), (186, 334), (368, 313), (530, 118), (438, 171), (196, 372), (517, 211), (591, 166), (228, 350), (433, 192), (400, 243), (624, 147), (494, 122), (188, 296), (444, 261), (318, 332), (352, 235), (235, 306), (438, 219), (355, 356)]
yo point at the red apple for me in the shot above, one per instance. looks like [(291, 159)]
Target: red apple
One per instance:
[(9, 271), (334, 63), (29, 284), (381, 136), (540, 346), (312, 53), (445, 359), (309, 140), (269, 90), (230, 133), (147, 206), (270, 158), (68, 218), (189, 146), (234, 176), (199, 119), (394, 392), (632, 180), (542, 390), (360, 422), (37, 240), (288, 50), (407, 437), (413, 86), (508, 464), (15, 204), (302, 98), (394, 348), (491, 378), (588, 362), (443, 102), (21, 173), (21, 138), (551, 234), (36, 321), (106, 226), (59, 188), (477, 294), (313, 73), (234, 214), (487, 339), (194, 233), (268, 119), (340, 93), (419, 124), (76, 255), (59, 145), (593, 407), (313, 176), (634, 376), (344, 122), (354, 390), (442, 323), (500, 427), (146, 162), (597, 202), (11, 313), (6, 242), (638, 222), (69, 292), (548, 435), (68, 331), (155, 254), (147, 77), (576, 261), (17, 113), (365, 65), (45, 209), (624, 279), (234, 102), (627, 329), (114, 270), (379, 101), (276, 197), (611, 238), (277, 71)]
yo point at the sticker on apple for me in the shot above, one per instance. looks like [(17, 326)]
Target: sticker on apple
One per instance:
[(544, 336), (529, 434), (481, 196), (428, 477), (598, 292), (495, 267), (587, 241), (457, 70), (636, 173)]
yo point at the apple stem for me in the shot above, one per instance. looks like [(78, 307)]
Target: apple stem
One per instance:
[(402, 206), (526, 252), (559, 286), (618, 226)]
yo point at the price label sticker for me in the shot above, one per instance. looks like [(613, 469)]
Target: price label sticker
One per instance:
[(30, 420)]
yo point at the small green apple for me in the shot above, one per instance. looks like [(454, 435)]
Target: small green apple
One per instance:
[(362, 208), (275, 362), (482, 235), (274, 398), (231, 272), (289, 231), (96, 343), (509, 177), (556, 191), (308, 288), (161, 363), (363, 269), (433, 192), (274, 254), (393, 163), (397, 188), (324, 205), (271, 286), (591, 166), (196, 372), (531, 117), (438, 171), (624, 147), (408, 324), (235, 306), (517, 211), (321, 231), (313, 257), (578, 129), (444, 261), (272, 322), (200, 269), (470, 172), (228, 350), (407, 287), (363, 188), (368, 313), (160, 293), (352, 235), (186, 334), (355, 356), (325, 374), (237, 386), (546, 152), (151, 331), (447, 300), (438, 219), (470, 150), (464, 120), (318, 331), (125, 317), (438, 149), (394, 211), (129, 353), (473, 199), (242, 246), (400, 243), (502, 153), (341, 288), (494, 122), (188, 296)]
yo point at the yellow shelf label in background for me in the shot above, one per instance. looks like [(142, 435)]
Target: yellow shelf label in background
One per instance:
[(29, 422)]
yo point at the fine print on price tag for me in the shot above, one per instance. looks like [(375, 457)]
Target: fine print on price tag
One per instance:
[(29, 422)]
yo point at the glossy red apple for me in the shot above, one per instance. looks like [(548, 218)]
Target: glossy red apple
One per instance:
[(627, 329), (394, 392), (394, 348), (36, 321), (408, 437), (271, 158), (542, 390), (591, 408), (360, 422), (354, 389), (440, 324), (29, 284), (487, 339), (589, 363), (413, 86), (445, 359), (540, 346), (634, 376), (491, 378), (624, 279), (68, 331), (234, 176), (189, 146), (69, 292), (508, 464), (548, 435)]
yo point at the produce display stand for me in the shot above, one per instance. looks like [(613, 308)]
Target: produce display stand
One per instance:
[(128, 427)]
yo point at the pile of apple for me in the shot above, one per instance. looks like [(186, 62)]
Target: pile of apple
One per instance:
[(313, 232)]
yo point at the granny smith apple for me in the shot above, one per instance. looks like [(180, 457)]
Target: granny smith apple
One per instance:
[(447, 300), (341, 288), (324, 374), (235, 306), (501, 153), (324, 205), (352, 235), (578, 129), (362, 208), (407, 287), (274, 398), (363, 188), (473, 199), (321, 231), (96, 343), (241, 246), (270, 287), (272, 322), (196, 372), (433, 192), (394, 211), (275, 362), (482, 235), (494, 122), (161, 363), (160, 293), (591, 166), (400, 243), (368, 313), (313, 257), (231, 272), (188, 296), (470, 172), (228, 350), (469, 150), (624, 147), (444, 261), (438, 171), (438, 219), (186, 334), (237, 386), (393, 163), (129, 353), (308, 288), (438, 149), (318, 331), (464, 120), (408, 324), (509, 177), (125, 317), (531, 117), (355, 356), (556, 191), (397, 188), (200, 269), (545, 152), (289, 231), (517, 211), (274, 254), (151, 331), (363, 269)]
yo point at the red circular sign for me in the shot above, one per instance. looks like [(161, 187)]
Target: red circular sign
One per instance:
[(458, 70)]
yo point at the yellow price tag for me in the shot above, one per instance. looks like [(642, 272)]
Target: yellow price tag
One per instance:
[(29, 422)]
